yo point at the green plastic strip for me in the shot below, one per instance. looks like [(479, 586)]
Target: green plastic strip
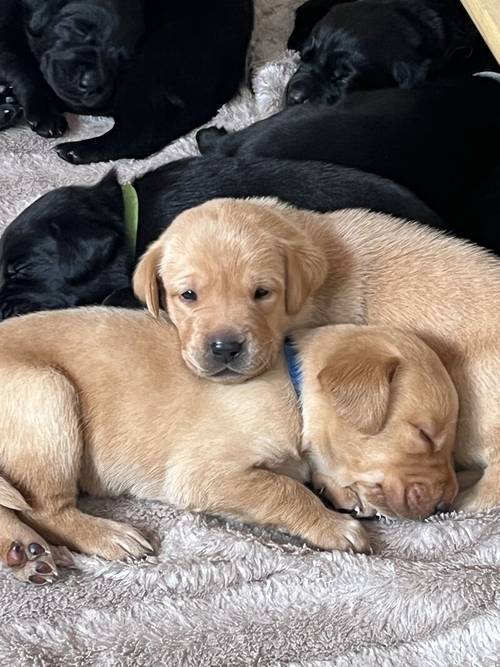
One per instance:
[(131, 215)]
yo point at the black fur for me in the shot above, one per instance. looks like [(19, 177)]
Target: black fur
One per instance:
[(368, 44), (68, 248), (158, 68), (441, 142)]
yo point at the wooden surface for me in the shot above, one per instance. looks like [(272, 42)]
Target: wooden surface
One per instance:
[(486, 16)]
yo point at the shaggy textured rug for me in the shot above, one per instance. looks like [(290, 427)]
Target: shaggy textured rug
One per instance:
[(223, 594)]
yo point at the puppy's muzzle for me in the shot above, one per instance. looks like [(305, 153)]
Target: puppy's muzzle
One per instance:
[(419, 500)]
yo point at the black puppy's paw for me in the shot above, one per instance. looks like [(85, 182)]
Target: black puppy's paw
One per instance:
[(48, 126), (9, 113), (90, 150), (10, 109), (69, 152), (78, 152)]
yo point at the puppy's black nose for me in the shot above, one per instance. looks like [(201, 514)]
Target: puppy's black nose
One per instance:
[(226, 349), (86, 81), (296, 96)]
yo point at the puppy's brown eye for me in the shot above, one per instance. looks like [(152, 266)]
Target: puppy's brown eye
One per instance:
[(189, 295), (261, 293)]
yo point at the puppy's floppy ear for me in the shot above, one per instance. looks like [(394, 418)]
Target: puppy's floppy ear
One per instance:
[(359, 381), (305, 269), (145, 280), (10, 497)]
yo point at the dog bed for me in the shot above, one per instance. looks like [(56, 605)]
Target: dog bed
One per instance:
[(220, 593)]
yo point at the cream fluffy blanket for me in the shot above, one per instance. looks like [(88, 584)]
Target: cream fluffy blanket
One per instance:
[(224, 594)]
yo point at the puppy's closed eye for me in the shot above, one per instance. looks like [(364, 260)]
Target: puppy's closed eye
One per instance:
[(13, 270), (424, 440)]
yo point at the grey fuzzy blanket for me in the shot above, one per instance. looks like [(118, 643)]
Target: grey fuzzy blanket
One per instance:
[(220, 593)]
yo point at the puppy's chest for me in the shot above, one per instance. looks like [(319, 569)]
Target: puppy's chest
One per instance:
[(275, 435)]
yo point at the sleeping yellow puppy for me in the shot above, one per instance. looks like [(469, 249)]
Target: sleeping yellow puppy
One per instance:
[(100, 400)]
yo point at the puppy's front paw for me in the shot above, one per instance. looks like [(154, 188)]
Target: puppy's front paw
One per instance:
[(338, 532), (69, 152), (9, 113), (117, 541), (50, 127), (77, 152), (10, 109)]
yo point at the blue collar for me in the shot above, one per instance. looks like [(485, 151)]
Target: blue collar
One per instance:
[(293, 363)]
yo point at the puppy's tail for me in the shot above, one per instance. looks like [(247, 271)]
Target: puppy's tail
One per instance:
[(11, 498)]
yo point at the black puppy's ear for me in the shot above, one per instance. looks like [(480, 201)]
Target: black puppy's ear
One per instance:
[(39, 18), (108, 194), (208, 138), (108, 179), (306, 17), (410, 75)]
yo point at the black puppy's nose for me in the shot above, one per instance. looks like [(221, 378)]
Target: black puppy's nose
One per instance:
[(296, 96), (86, 81), (226, 349)]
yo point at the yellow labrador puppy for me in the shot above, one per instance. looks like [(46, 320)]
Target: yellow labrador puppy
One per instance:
[(238, 275), (100, 400)]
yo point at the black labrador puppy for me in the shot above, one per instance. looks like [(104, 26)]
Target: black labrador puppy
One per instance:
[(70, 247), (159, 69), (367, 44), (441, 142)]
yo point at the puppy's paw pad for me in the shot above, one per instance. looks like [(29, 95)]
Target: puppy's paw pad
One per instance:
[(31, 563)]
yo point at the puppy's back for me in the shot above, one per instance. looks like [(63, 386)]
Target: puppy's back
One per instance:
[(413, 274), (90, 344)]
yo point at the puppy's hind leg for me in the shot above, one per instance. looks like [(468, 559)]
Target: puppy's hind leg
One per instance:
[(41, 453)]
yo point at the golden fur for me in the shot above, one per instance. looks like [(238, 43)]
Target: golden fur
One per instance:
[(100, 400), (353, 266)]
